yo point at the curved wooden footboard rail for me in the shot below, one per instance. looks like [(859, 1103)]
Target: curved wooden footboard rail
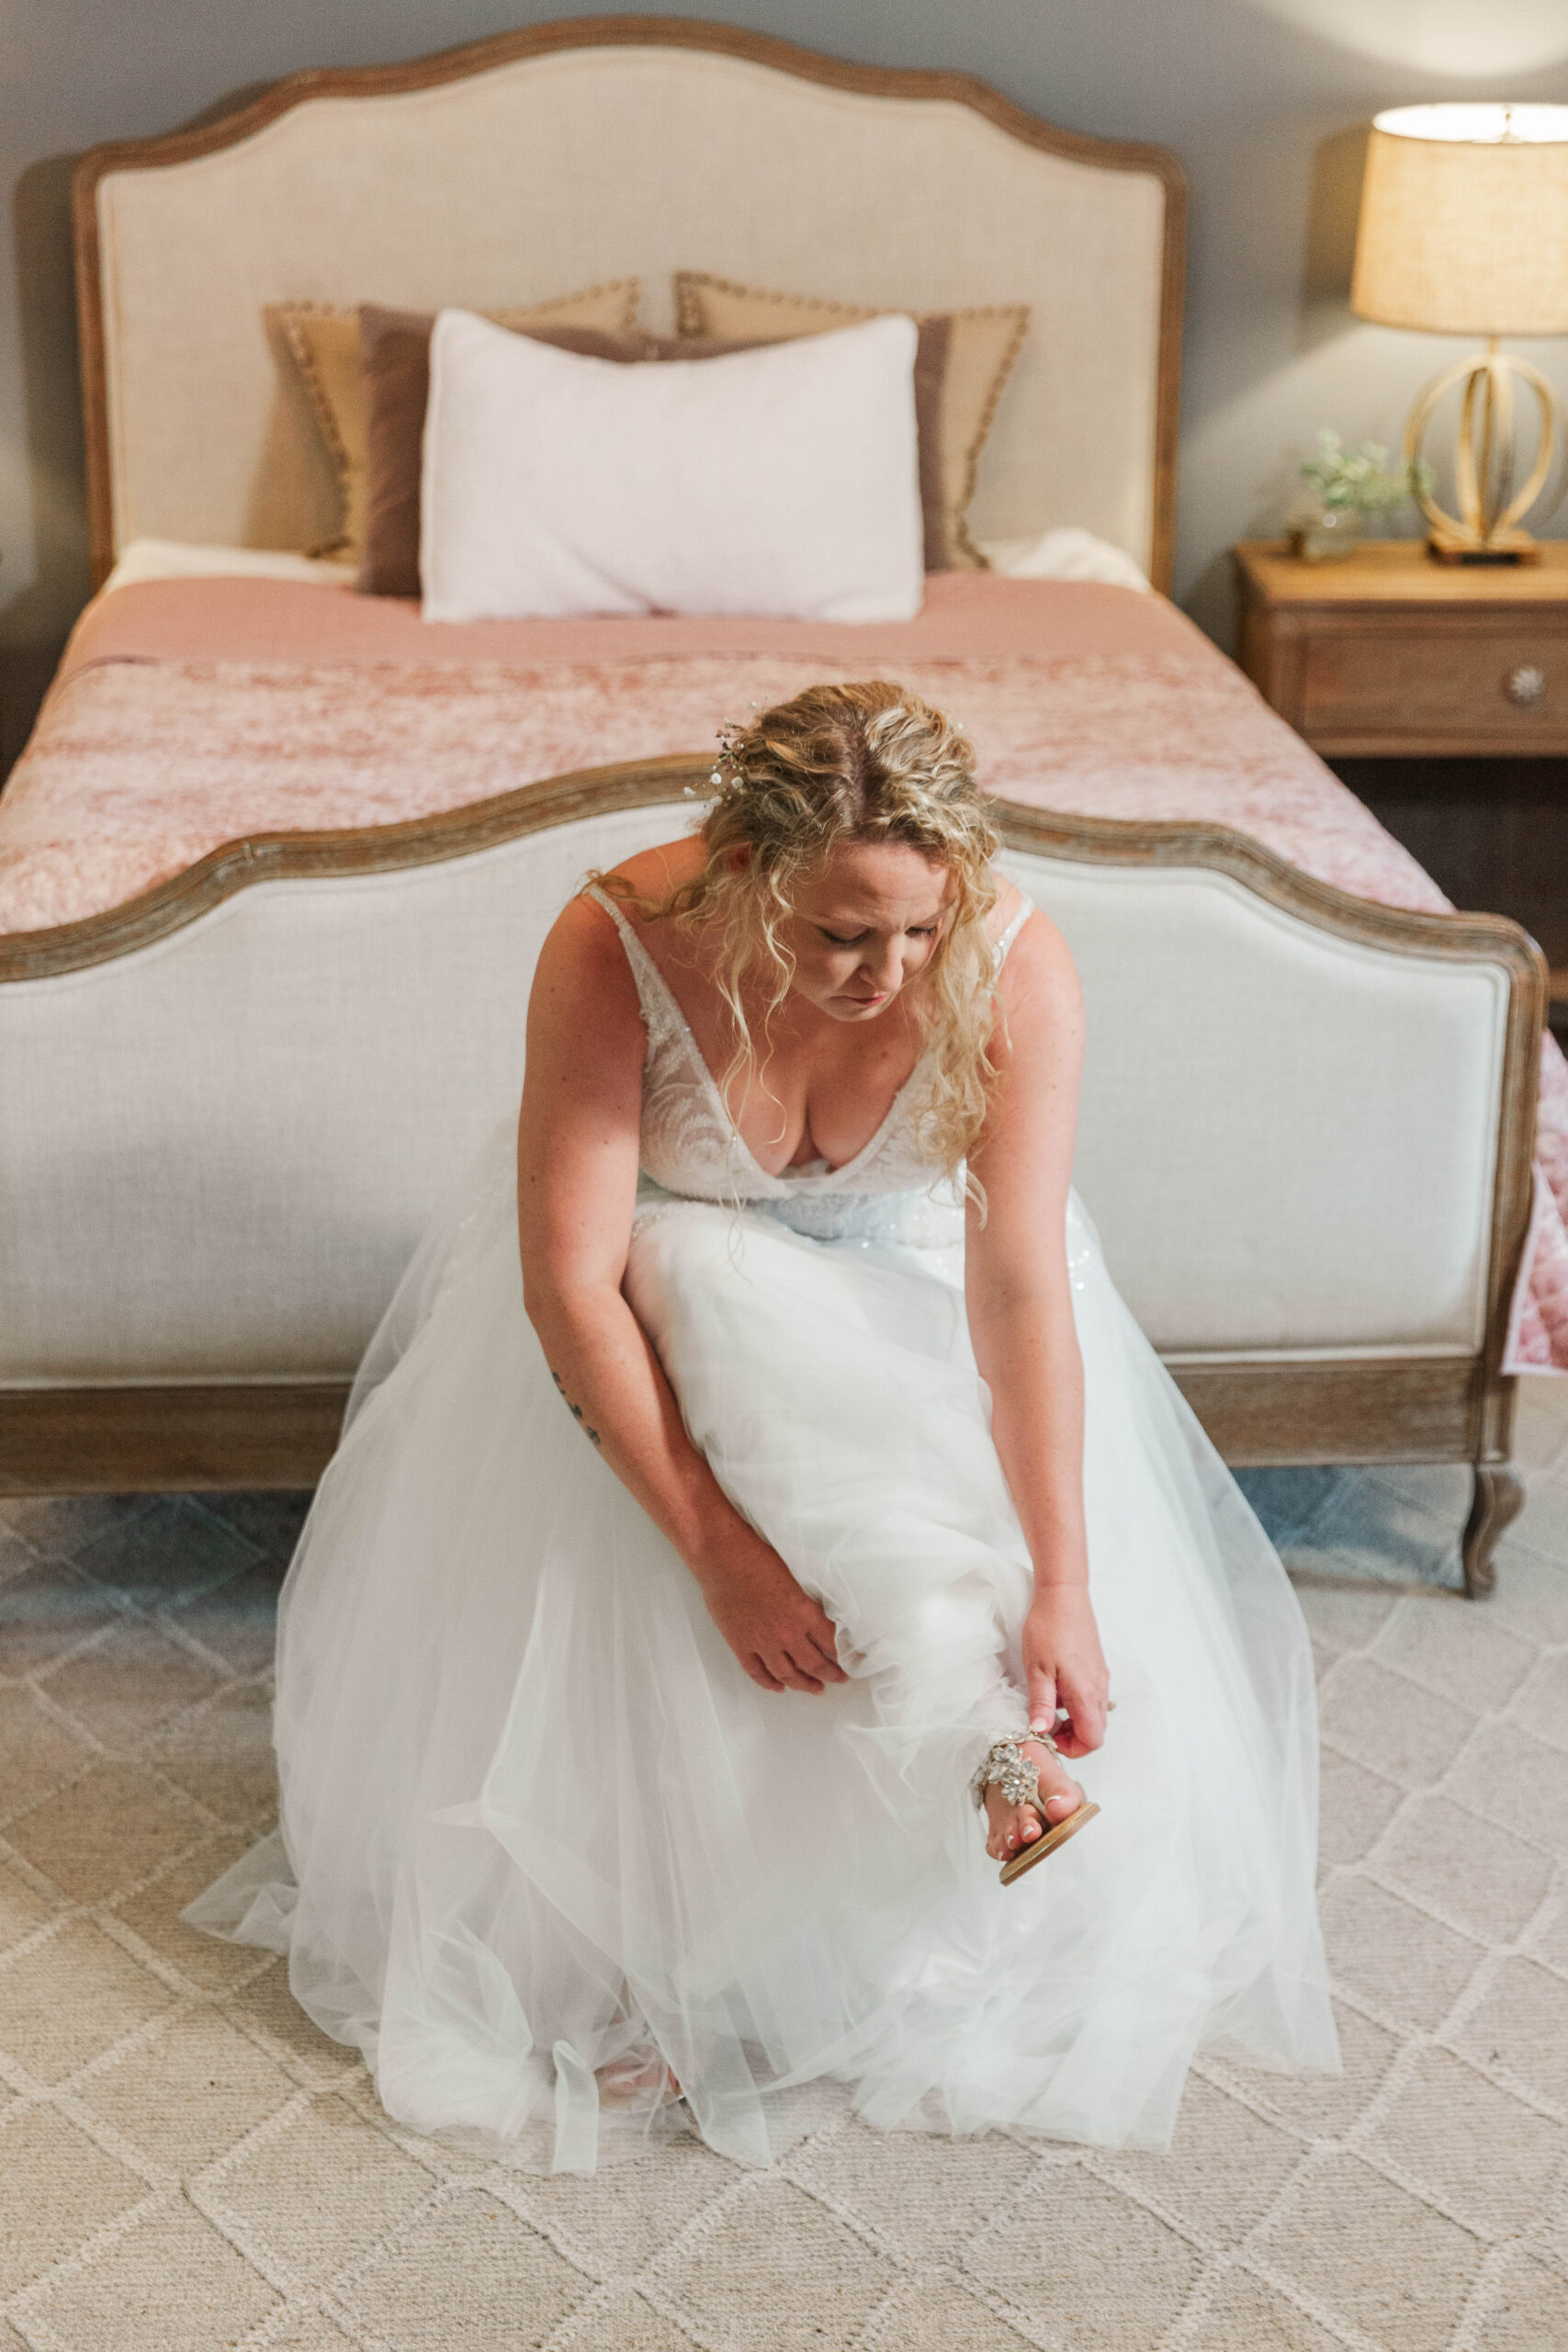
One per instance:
[(639, 783), (1324, 1410), (363, 849)]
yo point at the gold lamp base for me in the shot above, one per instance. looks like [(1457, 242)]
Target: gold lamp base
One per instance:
[(1488, 526), (1515, 546)]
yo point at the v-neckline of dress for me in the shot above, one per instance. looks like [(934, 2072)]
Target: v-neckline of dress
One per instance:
[(809, 1173), (639, 957)]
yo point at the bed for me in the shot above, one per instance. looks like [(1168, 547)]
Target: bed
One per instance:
[(275, 867)]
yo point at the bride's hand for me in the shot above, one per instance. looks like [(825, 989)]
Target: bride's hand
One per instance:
[(784, 1639), (1064, 1667)]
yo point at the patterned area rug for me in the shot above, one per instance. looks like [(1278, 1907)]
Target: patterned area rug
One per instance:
[(185, 2163)]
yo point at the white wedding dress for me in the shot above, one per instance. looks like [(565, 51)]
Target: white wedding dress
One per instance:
[(537, 1827)]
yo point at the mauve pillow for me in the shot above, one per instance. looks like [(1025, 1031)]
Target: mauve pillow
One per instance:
[(395, 356)]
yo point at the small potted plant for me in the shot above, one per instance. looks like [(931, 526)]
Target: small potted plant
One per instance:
[(1341, 488)]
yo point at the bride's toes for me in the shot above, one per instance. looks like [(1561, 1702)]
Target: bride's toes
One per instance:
[(1013, 1825), (1022, 1828)]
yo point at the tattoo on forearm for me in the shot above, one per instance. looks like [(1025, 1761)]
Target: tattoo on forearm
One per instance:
[(575, 1410)]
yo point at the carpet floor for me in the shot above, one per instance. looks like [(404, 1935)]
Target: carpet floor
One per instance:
[(185, 2163)]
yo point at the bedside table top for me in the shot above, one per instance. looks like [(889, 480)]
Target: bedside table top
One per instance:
[(1386, 571)]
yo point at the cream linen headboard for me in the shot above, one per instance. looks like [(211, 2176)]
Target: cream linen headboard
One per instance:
[(542, 161)]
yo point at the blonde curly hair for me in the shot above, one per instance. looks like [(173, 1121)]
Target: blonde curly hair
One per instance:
[(865, 763)]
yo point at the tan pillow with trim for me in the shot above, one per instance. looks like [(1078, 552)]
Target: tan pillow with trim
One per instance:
[(981, 347), (323, 343)]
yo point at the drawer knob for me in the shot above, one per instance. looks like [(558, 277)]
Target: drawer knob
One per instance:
[(1525, 685)]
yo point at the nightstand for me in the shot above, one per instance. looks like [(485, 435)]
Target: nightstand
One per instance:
[(1388, 653)]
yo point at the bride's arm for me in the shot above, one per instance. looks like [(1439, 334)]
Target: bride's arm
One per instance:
[(577, 1167), (1020, 1319)]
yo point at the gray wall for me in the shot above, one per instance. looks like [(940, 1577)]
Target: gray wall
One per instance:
[(1265, 102)]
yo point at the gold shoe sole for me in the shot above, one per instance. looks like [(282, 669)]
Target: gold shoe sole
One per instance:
[(1027, 1856)]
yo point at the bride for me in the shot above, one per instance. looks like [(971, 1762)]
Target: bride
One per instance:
[(681, 1593)]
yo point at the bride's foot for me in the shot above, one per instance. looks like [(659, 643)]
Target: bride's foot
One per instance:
[(636, 2081), (1012, 1827)]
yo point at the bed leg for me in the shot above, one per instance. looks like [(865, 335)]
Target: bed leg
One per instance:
[(1498, 1497)]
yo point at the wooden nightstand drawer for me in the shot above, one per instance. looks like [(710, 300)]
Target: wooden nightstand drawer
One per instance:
[(1392, 654), (1511, 688)]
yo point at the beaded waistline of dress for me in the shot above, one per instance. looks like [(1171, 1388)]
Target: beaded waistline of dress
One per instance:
[(931, 1219)]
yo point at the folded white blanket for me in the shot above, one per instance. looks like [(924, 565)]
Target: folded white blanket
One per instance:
[(182, 559), (1064, 554)]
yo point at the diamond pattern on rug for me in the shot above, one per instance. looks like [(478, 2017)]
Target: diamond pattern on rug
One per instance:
[(186, 2163)]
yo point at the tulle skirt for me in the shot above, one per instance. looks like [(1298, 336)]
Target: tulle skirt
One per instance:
[(541, 1838)]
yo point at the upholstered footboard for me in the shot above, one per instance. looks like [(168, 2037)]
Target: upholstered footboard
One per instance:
[(230, 1107)]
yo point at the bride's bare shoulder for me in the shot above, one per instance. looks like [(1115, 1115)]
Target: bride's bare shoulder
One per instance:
[(583, 954), (1033, 935), (1038, 954), (652, 874)]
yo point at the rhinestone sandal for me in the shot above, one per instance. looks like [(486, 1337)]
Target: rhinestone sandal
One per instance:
[(1018, 1780)]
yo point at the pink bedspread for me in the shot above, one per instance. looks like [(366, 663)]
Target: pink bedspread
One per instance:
[(189, 713)]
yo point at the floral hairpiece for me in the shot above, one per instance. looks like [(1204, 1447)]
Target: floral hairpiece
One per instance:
[(729, 767)]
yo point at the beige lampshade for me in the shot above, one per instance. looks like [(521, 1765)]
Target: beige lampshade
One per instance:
[(1465, 220)]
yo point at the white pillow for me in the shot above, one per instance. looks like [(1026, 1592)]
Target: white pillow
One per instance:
[(782, 480)]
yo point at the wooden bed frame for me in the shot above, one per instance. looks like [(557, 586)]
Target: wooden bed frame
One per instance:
[(163, 462), (1345, 1409)]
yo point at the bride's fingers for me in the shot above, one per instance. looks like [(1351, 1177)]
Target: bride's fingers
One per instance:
[(1085, 1725), (800, 1673), (823, 1635), (1079, 1736), (1042, 1696), (825, 1661)]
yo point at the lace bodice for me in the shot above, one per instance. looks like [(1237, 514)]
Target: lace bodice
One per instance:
[(690, 1151)]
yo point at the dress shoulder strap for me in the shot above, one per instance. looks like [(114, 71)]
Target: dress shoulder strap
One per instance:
[(659, 1009), (1010, 933), (603, 898)]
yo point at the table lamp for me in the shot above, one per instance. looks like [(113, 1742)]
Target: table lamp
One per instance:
[(1464, 231)]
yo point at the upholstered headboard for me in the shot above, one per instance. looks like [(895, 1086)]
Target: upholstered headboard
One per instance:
[(542, 161)]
